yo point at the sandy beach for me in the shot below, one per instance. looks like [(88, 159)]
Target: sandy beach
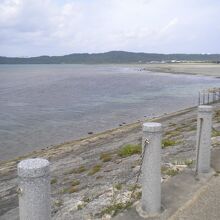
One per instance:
[(202, 69)]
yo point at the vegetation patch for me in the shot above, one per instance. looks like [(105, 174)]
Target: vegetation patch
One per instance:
[(86, 199), (215, 133), (115, 208), (133, 187), (189, 162), (217, 114), (216, 174), (77, 170), (73, 189), (99, 177), (70, 190), (106, 157), (169, 171), (75, 183), (80, 207), (58, 203), (129, 150), (95, 169), (118, 186), (173, 133), (53, 181), (137, 195), (192, 128), (169, 143)]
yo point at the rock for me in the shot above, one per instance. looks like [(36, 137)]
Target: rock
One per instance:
[(77, 205), (106, 217)]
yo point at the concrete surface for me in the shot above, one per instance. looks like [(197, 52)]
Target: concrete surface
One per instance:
[(34, 187), (151, 178), (187, 197), (204, 132)]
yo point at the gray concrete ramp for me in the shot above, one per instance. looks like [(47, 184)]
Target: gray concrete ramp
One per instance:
[(179, 194), (187, 197)]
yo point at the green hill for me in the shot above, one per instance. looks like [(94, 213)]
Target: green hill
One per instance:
[(110, 57)]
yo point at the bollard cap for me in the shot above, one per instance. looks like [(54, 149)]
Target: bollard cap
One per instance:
[(205, 108), (33, 168), (152, 127)]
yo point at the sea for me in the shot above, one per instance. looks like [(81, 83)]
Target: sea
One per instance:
[(45, 105)]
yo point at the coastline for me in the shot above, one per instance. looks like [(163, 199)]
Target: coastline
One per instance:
[(86, 152), (65, 147), (198, 69), (94, 192)]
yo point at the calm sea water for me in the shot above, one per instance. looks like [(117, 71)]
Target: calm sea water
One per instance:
[(42, 105)]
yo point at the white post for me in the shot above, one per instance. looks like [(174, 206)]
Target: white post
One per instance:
[(204, 130), (151, 170), (34, 189)]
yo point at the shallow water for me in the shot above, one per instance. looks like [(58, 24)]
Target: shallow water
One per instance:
[(41, 105)]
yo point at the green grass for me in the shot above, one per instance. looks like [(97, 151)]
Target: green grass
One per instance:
[(173, 133), (77, 170), (115, 208), (169, 171), (217, 114), (118, 186), (94, 170), (53, 181), (215, 133), (75, 183), (192, 128), (169, 143), (105, 157), (189, 162), (138, 195), (86, 199), (70, 190), (129, 149)]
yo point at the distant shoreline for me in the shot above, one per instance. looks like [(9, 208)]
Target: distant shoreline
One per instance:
[(112, 57), (191, 68), (200, 69)]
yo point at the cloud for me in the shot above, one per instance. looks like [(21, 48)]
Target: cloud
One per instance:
[(54, 27)]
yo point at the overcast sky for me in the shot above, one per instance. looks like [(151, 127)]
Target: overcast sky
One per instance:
[(58, 27)]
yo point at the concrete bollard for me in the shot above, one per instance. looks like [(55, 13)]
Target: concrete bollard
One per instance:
[(204, 129), (151, 170), (34, 189)]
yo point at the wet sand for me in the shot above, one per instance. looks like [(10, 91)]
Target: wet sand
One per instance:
[(202, 69)]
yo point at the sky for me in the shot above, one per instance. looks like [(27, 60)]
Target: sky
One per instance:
[(58, 27)]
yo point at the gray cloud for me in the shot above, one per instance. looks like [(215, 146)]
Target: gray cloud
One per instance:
[(54, 27)]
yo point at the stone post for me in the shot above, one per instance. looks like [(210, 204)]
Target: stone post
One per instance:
[(204, 130), (151, 170), (34, 189)]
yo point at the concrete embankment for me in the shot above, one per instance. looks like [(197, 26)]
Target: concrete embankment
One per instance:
[(92, 179)]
